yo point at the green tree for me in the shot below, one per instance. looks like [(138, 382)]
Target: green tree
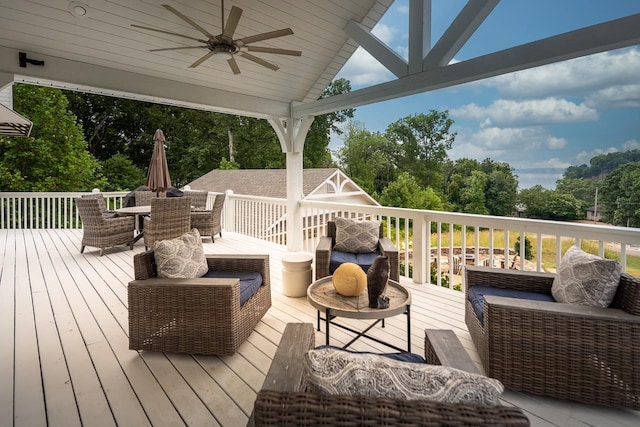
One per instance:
[(423, 141), (55, 156), (542, 203), (122, 174), (582, 189), (472, 195), (316, 151), (366, 159), (486, 187), (528, 249), (406, 192), (620, 191)]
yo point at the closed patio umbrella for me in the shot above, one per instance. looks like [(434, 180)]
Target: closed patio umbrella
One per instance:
[(158, 178)]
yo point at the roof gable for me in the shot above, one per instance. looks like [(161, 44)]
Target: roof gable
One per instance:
[(259, 182)]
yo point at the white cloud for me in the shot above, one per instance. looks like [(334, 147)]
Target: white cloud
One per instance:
[(631, 145), (404, 10), (512, 145), (384, 33), (623, 96), (577, 76), (526, 113), (363, 70)]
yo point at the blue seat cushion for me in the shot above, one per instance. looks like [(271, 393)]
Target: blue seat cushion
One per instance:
[(477, 293), (401, 356), (363, 260), (249, 281)]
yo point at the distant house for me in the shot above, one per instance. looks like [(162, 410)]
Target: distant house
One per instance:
[(322, 184), (593, 213)]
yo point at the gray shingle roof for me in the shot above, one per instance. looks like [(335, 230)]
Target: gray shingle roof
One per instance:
[(259, 182)]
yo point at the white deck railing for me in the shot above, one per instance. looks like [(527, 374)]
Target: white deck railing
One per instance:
[(426, 239)]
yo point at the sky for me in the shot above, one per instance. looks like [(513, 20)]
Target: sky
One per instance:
[(540, 120)]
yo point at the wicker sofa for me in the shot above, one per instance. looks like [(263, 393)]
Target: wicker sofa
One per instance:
[(195, 316), (284, 401), (564, 351)]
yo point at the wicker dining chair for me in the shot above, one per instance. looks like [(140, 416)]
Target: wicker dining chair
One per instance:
[(208, 222), (103, 204), (198, 198), (195, 316), (170, 217), (100, 231), (143, 198)]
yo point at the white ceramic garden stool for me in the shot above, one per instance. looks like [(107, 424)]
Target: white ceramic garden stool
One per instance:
[(296, 273)]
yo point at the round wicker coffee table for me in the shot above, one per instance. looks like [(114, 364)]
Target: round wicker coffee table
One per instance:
[(323, 296)]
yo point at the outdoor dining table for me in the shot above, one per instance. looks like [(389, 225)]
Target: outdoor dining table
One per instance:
[(140, 212)]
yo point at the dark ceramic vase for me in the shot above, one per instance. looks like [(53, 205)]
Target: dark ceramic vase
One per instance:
[(377, 278)]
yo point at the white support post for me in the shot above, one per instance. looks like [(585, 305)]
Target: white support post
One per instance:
[(229, 213), (421, 266), (292, 133)]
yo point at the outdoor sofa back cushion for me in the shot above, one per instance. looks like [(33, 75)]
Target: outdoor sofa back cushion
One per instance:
[(356, 236), (586, 279), (337, 372)]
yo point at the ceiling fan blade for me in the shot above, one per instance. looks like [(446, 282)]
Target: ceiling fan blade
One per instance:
[(187, 20), (202, 59), (168, 32), (176, 48), (260, 61), (234, 65), (265, 36), (232, 22), (273, 50)]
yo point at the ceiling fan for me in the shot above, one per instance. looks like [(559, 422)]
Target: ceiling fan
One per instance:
[(223, 44)]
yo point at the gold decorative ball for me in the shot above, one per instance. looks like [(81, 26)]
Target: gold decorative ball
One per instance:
[(349, 279)]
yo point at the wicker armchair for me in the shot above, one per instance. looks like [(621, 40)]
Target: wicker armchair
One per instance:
[(100, 231), (170, 217), (560, 350), (284, 401), (326, 244), (195, 316), (208, 222)]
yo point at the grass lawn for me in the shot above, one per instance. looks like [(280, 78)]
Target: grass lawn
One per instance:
[(548, 247)]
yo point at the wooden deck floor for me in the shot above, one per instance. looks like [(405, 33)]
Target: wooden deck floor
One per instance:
[(64, 358)]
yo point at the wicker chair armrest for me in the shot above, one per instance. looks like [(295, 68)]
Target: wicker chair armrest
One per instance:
[(300, 408), (387, 246), (389, 249), (512, 279), (198, 282), (495, 305), (144, 265), (323, 256), (118, 225)]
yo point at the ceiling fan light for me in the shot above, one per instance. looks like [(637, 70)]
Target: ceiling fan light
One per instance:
[(226, 54)]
